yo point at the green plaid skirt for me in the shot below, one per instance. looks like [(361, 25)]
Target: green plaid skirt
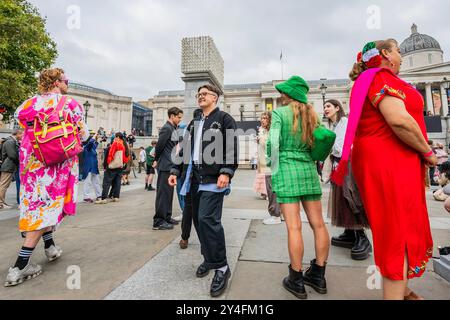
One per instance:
[(296, 179)]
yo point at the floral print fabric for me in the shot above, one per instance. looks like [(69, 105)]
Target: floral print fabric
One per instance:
[(47, 194)]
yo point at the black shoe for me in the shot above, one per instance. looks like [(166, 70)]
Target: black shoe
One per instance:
[(315, 277), (345, 240), (146, 186), (294, 284), (163, 226), (171, 221), (202, 271), (219, 282), (362, 247), (150, 188)]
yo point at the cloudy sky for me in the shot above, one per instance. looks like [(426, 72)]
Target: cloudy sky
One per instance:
[(133, 47)]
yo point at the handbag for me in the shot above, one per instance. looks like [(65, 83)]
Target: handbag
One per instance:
[(117, 162), (323, 143)]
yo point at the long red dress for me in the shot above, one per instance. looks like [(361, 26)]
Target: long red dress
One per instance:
[(391, 179)]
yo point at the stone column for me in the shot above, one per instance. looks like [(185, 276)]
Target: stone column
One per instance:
[(429, 98), (444, 99), (274, 103)]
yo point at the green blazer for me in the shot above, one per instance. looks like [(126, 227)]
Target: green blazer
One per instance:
[(294, 173)]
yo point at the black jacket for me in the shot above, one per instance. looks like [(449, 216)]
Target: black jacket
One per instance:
[(167, 140), (217, 159), (10, 155)]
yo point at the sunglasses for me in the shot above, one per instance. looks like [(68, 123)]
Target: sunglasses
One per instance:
[(66, 81)]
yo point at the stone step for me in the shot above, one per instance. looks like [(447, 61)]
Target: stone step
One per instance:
[(446, 259), (442, 269)]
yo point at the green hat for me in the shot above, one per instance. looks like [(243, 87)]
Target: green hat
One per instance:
[(296, 88)]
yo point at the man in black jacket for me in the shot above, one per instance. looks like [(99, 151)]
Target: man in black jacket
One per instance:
[(210, 153), (10, 163), (167, 140)]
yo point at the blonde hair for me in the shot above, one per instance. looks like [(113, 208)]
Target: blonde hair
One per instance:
[(309, 118), (47, 79), (360, 67), (267, 114)]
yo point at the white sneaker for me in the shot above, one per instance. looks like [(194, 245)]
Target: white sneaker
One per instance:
[(272, 221), (178, 218), (53, 253), (16, 276), (100, 201), (6, 207)]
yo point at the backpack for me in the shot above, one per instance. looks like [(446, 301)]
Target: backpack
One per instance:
[(52, 133)]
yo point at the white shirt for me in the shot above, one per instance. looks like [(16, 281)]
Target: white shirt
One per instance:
[(142, 156), (340, 130), (197, 141)]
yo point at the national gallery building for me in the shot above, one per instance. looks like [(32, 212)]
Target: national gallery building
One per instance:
[(423, 66)]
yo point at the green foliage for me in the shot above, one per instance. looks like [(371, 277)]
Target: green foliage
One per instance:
[(25, 49)]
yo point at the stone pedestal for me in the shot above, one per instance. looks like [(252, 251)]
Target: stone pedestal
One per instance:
[(192, 82), (442, 267)]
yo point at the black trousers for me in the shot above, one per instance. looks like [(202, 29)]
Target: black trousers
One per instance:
[(186, 222), (164, 199), (112, 178), (206, 210)]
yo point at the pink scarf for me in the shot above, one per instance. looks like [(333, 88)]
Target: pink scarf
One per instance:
[(357, 99)]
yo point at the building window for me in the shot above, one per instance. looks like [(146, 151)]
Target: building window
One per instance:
[(411, 61), (256, 107), (430, 58), (228, 108)]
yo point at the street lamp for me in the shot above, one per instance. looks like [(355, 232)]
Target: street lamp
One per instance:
[(446, 84), (323, 90), (86, 106), (241, 109)]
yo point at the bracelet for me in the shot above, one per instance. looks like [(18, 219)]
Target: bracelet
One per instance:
[(428, 154)]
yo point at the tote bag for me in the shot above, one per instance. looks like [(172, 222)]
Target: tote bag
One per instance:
[(117, 161)]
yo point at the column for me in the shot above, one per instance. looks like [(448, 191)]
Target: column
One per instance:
[(444, 99), (429, 98), (274, 103)]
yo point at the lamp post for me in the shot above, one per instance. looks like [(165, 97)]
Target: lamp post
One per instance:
[(446, 84), (323, 90), (241, 109), (86, 106)]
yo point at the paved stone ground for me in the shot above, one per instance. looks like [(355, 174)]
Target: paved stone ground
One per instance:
[(121, 257)]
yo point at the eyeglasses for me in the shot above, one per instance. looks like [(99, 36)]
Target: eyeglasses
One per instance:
[(204, 94)]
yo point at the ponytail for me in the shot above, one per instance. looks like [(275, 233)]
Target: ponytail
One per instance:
[(358, 68)]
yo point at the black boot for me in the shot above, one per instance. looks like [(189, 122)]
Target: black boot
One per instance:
[(362, 247), (315, 277), (345, 240), (294, 284), (146, 186)]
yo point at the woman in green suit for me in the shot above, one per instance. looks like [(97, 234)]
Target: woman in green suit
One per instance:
[(295, 180)]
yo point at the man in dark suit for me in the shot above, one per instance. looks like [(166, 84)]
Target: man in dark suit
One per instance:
[(168, 139)]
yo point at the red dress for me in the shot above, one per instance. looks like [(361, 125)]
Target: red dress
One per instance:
[(391, 179)]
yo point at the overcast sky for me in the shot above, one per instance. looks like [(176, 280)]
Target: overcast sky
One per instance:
[(133, 47)]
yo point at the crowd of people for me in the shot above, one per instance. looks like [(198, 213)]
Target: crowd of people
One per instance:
[(383, 142)]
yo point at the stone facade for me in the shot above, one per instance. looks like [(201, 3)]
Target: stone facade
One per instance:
[(107, 110)]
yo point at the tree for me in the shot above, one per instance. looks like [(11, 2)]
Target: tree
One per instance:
[(25, 49)]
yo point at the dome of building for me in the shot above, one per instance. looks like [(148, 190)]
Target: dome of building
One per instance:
[(419, 42)]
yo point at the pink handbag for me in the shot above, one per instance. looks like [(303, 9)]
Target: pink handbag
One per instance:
[(52, 133)]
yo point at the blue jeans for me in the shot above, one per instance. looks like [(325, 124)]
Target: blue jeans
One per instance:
[(17, 176)]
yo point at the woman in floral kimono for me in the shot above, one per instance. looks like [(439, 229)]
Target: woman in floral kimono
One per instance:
[(47, 193)]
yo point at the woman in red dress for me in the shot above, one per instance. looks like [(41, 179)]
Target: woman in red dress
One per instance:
[(390, 152)]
